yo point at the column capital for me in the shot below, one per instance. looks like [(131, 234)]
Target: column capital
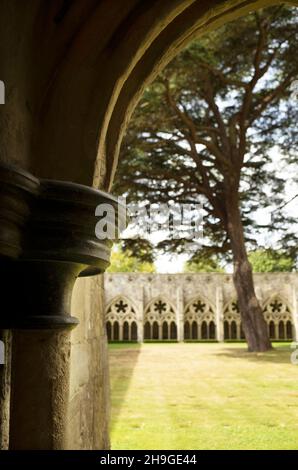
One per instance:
[(47, 240)]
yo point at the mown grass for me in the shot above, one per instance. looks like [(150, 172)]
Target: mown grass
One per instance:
[(202, 396)]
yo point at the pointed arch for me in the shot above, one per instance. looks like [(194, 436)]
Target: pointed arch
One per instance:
[(186, 330), (199, 309), (134, 331), (278, 315), (122, 309), (232, 320), (160, 314), (231, 311), (160, 309), (109, 330), (173, 330), (199, 313), (120, 316), (277, 306), (147, 330)]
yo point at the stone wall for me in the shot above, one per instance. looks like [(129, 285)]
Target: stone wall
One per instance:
[(89, 390), (194, 306), (88, 412)]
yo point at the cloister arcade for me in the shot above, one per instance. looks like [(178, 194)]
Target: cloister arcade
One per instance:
[(199, 319)]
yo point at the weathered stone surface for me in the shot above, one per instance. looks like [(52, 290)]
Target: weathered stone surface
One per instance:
[(39, 357), (47, 241), (5, 336), (89, 380)]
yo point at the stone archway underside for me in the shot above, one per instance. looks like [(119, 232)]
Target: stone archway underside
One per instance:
[(76, 91)]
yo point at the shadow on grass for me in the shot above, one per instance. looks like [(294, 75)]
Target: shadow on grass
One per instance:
[(123, 358), (280, 354)]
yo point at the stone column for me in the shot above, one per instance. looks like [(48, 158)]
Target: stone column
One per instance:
[(180, 314), (238, 331), (276, 331), (219, 319), (140, 331), (295, 311), (5, 337), (160, 332), (47, 240), (199, 331), (140, 317), (120, 331)]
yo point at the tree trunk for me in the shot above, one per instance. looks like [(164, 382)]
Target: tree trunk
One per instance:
[(253, 322)]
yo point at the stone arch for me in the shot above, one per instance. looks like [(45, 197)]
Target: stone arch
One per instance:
[(116, 331), (147, 330), (160, 309), (194, 330), (173, 330), (212, 330), (165, 330), (121, 310), (161, 312), (234, 330), (199, 313), (186, 330), (131, 43), (278, 315), (134, 331), (125, 331), (204, 330), (226, 330), (289, 330), (155, 331), (271, 329), (109, 330), (232, 320), (194, 18)]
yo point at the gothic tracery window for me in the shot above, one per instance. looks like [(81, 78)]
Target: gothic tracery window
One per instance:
[(278, 316), (121, 320), (120, 306), (199, 318), (199, 306), (160, 306), (232, 321), (159, 319)]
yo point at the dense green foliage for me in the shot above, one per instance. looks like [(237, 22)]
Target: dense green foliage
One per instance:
[(269, 261), (122, 262), (210, 265)]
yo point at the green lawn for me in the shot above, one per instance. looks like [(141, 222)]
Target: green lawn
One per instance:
[(202, 396)]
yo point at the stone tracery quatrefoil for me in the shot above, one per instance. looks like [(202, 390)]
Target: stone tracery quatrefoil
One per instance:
[(276, 306), (235, 307), (199, 306), (159, 306), (121, 306)]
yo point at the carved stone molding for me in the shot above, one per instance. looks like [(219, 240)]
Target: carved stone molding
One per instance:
[(17, 192), (47, 240)]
